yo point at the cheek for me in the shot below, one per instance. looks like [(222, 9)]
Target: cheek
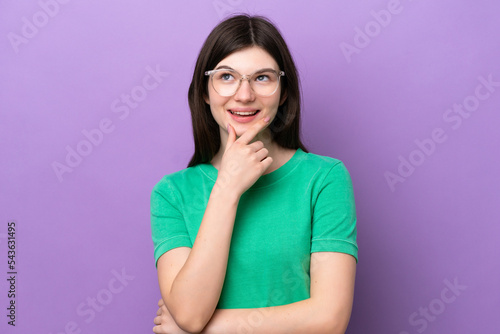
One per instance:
[(211, 98), (217, 104), (273, 104)]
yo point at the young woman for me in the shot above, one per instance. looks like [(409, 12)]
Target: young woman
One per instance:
[(257, 235)]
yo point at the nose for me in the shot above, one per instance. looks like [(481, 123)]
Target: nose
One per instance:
[(244, 92)]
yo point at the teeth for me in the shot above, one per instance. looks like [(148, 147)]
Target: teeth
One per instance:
[(244, 113)]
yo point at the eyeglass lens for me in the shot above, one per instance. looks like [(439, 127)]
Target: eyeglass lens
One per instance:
[(227, 82)]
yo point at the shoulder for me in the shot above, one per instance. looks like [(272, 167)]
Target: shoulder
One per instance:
[(322, 170), (179, 179), (319, 162)]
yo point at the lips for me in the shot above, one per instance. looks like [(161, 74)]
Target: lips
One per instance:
[(243, 116), (243, 112)]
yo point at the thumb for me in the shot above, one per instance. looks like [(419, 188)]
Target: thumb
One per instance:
[(231, 138)]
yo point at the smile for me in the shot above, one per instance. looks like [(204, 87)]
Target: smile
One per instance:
[(241, 116), (244, 113)]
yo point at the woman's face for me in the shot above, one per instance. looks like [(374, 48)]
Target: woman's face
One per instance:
[(245, 62)]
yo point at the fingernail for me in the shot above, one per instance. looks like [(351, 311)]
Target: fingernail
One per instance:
[(227, 127), (267, 119)]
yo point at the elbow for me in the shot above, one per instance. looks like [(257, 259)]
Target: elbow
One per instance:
[(336, 329), (332, 325), (330, 328), (188, 316), (191, 326), (189, 322)]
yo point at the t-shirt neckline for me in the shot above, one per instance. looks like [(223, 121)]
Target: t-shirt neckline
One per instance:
[(265, 179)]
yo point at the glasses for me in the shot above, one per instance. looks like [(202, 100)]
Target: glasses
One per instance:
[(226, 82)]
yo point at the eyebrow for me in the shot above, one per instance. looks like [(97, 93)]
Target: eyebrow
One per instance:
[(258, 71)]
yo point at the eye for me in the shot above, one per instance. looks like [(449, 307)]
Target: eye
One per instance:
[(262, 78), (225, 76)]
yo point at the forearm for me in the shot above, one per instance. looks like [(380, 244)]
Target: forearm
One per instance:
[(327, 311), (307, 316), (196, 289)]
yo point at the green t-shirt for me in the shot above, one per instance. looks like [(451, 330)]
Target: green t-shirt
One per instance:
[(305, 206)]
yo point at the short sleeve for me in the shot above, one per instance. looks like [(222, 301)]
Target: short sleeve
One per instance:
[(334, 215), (168, 228)]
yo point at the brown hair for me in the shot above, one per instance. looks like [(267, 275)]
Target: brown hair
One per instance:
[(231, 35)]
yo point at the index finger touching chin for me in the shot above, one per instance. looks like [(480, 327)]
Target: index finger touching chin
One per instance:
[(254, 130)]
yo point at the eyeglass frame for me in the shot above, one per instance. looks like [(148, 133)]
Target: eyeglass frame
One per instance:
[(247, 77)]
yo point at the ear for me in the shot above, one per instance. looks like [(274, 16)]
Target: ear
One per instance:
[(283, 97), (207, 100)]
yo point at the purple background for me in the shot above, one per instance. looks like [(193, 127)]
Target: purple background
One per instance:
[(75, 232)]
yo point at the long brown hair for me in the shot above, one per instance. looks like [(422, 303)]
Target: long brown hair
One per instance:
[(231, 35)]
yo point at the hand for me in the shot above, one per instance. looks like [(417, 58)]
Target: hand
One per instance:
[(164, 322), (242, 163)]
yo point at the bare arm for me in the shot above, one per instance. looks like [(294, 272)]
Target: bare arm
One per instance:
[(191, 280), (328, 310)]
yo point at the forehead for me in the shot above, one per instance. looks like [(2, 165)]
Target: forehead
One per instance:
[(249, 60)]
